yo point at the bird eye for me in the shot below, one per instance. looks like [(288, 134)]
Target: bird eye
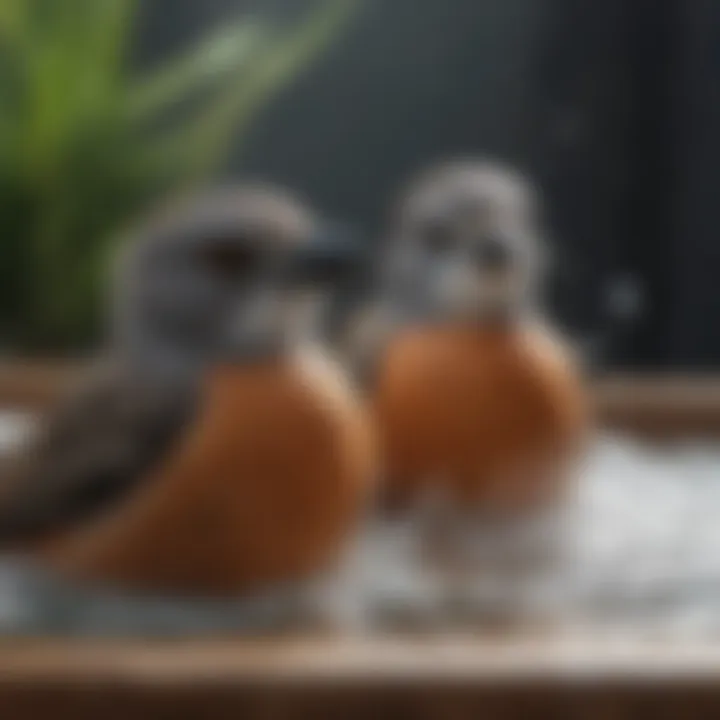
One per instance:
[(437, 237), (230, 259)]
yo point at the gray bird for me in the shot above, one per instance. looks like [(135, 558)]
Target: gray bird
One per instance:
[(237, 277), (478, 406)]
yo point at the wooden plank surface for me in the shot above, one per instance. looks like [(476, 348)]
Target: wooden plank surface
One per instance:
[(440, 678), (660, 405), (35, 384), (655, 404), (363, 659)]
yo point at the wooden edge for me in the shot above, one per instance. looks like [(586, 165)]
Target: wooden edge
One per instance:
[(660, 406), (357, 678), (368, 659), (35, 385), (654, 405)]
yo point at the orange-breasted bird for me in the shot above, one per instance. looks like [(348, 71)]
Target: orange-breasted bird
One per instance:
[(474, 395), (216, 450)]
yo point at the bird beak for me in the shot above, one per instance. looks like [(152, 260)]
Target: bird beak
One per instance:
[(331, 259)]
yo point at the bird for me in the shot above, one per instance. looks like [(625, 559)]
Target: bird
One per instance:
[(479, 404), (475, 394), (214, 448)]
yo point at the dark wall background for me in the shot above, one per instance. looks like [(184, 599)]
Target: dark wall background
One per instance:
[(613, 106)]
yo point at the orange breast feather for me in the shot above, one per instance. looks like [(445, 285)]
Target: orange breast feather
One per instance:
[(265, 488), (493, 416)]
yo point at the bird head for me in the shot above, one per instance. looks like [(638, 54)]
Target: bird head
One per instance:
[(464, 243), (236, 275)]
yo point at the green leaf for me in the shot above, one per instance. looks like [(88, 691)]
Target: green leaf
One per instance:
[(223, 53), (205, 139), (13, 14), (85, 145)]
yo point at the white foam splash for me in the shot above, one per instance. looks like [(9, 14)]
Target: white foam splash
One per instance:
[(643, 551)]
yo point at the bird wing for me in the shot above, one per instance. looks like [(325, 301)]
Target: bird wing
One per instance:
[(90, 452)]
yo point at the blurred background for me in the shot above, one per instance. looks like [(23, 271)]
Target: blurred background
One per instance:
[(107, 105)]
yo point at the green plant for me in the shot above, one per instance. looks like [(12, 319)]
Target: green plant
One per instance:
[(87, 142)]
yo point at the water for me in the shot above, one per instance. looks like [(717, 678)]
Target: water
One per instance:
[(640, 547)]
